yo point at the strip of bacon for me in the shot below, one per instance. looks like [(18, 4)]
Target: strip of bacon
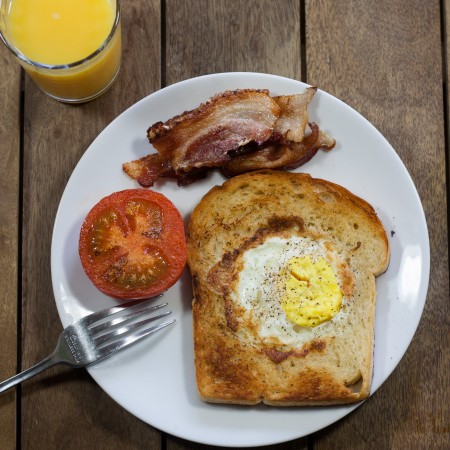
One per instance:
[(281, 156), (294, 115), (237, 131), (148, 169), (204, 137)]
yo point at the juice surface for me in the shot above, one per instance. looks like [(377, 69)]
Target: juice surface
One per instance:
[(59, 31)]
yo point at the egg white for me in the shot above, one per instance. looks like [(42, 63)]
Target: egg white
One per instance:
[(258, 290)]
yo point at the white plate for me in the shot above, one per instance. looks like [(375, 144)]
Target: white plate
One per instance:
[(155, 380)]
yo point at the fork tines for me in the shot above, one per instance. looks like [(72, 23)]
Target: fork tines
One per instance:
[(128, 322)]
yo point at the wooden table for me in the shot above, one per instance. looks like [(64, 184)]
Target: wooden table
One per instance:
[(387, 59)]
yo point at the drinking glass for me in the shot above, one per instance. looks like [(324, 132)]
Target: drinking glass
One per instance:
[(77, 81)]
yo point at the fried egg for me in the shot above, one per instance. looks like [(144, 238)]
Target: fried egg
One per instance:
[(290, 290)]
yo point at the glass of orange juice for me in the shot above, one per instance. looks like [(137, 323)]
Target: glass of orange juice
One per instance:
[(70, 48)]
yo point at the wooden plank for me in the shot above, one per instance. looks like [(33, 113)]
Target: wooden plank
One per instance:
[(446, 43), (181, 444), (384, 59), (65, 408), (205, 36), (225, 36), (9, 232)]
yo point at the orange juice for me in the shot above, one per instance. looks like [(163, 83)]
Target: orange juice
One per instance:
[(71, 48)]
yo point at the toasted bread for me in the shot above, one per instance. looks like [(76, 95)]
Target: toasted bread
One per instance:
[(333, 362)]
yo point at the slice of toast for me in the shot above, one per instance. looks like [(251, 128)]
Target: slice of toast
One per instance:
[(235, 362)]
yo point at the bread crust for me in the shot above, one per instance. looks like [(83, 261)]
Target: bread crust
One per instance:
[(230, 368)]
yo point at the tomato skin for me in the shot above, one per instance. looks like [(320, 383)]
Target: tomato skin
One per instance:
[(132, 244)]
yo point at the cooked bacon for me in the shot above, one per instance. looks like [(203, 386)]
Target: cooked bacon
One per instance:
[(204, 137), (148, 169), (281, 156), (294, 115), (236, 131)]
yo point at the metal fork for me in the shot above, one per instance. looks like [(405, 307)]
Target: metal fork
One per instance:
[(97, 336)]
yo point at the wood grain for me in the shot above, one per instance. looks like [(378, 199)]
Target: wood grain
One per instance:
[(9, 234), (385, 61), (56, 135), (232, 35), (446, 43)]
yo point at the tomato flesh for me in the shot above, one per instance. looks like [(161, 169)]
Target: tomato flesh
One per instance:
[(129, 274), (132, 244)]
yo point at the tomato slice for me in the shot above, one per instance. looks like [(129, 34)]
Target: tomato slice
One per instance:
[(132, 244)]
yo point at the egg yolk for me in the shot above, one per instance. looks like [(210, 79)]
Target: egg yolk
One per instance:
[(311, 291)]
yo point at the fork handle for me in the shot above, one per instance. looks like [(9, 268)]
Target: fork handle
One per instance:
[(31, 372)]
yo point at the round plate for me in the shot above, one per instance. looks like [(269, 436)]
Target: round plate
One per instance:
[(155, 379)]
